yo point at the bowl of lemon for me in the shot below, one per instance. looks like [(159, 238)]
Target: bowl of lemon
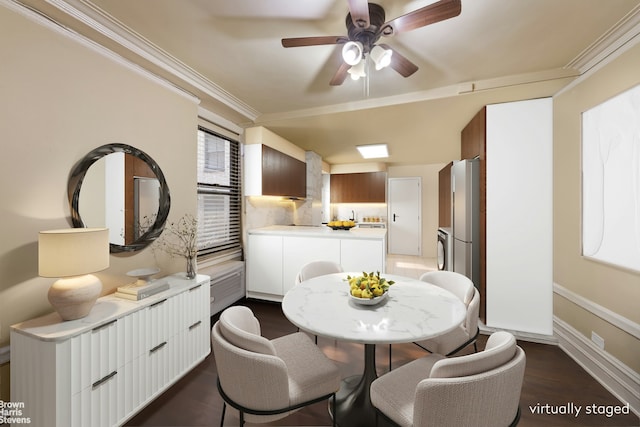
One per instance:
[(341, 225), (369, 288)]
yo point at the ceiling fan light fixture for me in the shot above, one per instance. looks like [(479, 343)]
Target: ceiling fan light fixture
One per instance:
[(373, 151), (356, 71), (352, 52), (381, 56)]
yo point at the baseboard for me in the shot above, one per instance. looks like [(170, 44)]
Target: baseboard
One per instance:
[(615, 376), (523, 336)]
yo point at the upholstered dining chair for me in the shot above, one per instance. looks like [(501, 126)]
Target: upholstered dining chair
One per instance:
[(477, 390), (266, 380), (467, 333), (315, 269)]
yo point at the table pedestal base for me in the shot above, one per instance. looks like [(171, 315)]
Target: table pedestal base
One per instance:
[(353, 405)]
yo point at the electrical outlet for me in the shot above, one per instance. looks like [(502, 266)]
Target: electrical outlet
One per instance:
[(597, 340)]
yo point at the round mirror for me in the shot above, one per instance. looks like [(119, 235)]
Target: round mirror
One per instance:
[(120, 187)]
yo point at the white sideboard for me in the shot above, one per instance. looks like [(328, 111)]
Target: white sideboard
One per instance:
[(102, 369), (275, 255)]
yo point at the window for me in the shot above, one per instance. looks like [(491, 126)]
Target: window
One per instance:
[(218, 194)]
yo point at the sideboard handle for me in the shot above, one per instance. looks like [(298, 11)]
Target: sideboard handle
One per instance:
[(195, 325), (157, 303), (158, 347), (97, 328), (103, 380)]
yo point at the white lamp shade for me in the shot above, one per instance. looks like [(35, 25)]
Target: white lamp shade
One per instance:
[(352, 52), (72, 251), (357, 71), (381, 56)]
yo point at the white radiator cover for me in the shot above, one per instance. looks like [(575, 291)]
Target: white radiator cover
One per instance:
[(227, 284)]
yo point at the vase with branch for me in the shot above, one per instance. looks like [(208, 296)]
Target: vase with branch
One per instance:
[(180, 239)]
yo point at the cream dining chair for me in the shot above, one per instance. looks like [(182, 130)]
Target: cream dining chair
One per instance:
[(465, 334), (476, 390), (266, 380), (315, 269)]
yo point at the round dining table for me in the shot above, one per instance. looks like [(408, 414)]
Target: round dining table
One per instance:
[(413, 310)]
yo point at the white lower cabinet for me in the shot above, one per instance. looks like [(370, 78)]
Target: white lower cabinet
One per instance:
[(362, 255), (100, 370), (264, 265), (273, 261), (298, 251)]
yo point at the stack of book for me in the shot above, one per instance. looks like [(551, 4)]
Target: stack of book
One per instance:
[(137, 292)]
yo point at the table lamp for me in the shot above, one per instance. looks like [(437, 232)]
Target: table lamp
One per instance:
[(72, 255)]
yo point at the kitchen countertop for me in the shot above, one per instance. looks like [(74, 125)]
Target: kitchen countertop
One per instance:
[(322, 231)]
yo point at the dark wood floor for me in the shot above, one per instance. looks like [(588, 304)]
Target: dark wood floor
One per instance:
[(551, 378)]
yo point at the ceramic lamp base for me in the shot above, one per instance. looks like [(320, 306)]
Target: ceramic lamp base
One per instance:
[(73, 297)]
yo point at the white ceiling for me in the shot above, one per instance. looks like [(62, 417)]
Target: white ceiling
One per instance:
[(228, 53)]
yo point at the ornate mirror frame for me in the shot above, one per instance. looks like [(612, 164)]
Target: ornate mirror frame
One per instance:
[(75, 184)]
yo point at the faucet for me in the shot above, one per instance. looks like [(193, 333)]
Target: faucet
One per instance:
[(353, 216)]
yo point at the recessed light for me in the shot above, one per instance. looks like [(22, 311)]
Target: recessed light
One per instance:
[(373, 151)]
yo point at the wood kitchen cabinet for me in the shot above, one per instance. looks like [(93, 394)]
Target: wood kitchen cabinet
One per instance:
[(473, 136), (444, 196), (268, 172), (364, 187)]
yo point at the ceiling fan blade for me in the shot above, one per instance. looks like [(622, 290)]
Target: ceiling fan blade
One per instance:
[(401, 64), (436, 12), (359, 10), (340, 75), (313, 41)]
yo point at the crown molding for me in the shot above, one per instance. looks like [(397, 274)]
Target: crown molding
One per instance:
[(609, 43), (90, 15)]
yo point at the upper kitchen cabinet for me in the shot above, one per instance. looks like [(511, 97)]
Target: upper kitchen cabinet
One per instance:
[(474, 135), (268, 172), (444, 196), (363, 187)]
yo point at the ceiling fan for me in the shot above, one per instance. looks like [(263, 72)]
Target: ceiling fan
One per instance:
[(365, 25)]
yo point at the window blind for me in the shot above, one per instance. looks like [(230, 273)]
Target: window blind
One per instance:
[(219, 198)]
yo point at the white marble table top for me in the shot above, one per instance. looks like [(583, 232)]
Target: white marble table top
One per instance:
[(414, 310)]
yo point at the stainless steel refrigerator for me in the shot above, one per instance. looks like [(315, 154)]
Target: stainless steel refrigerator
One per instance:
[(465, 186)]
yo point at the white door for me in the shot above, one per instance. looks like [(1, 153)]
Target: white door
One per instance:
[(404, 222)]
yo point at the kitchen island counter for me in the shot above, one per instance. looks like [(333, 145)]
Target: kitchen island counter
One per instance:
[(276, 253)]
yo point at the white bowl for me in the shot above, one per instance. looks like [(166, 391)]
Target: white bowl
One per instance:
[(143, 274), (369, 301)]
